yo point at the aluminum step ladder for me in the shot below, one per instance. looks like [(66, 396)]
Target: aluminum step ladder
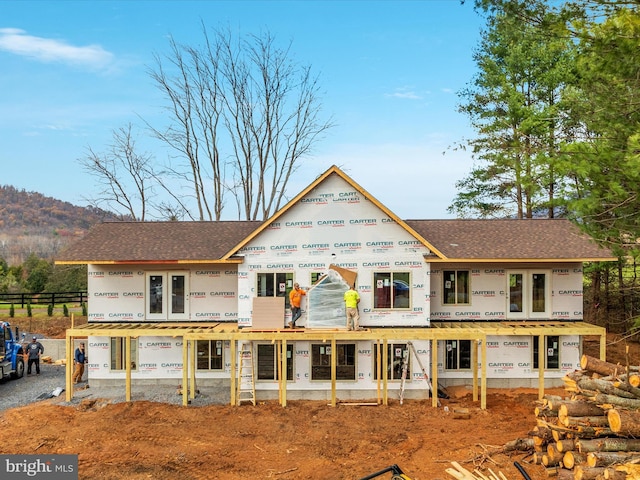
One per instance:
[(246, 386), (405, 366)]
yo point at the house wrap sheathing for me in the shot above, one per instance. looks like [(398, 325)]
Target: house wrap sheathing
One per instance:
[(499, 300)]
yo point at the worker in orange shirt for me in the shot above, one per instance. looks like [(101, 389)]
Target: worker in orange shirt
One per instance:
[(295, 298)]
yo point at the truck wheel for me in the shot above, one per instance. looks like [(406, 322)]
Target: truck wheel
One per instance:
[(19, 373)]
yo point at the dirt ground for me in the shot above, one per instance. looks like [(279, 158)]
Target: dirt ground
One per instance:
[(305, 440)]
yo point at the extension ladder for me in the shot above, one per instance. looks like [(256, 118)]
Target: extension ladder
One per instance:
[(246, 386)]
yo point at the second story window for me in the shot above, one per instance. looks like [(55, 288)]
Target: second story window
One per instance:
[(456, 287)]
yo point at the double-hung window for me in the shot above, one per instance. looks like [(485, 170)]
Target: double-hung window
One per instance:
[(268, 362), (552, 353), (456, 288), (392, 290), (119, 353), (275, 284), (210, 354), (345, 361), (397, 355), (457, 354)]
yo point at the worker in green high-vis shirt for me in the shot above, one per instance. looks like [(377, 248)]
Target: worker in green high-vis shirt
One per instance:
[(351, 301)]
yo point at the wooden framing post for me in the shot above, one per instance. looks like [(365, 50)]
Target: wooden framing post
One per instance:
[(542, 348), (378, 370), (434, 372), (603, 346), (483, 379), (185, 373), (69, 370), (192, 366), (385, 373), (233, 376), (334, 363), (474, 369), (283, 377), (127, 361)]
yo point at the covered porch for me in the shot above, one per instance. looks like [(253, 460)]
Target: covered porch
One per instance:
[(476, 332)]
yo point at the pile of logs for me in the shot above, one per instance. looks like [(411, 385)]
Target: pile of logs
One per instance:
[(592, 433)]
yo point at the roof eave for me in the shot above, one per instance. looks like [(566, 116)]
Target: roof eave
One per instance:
[(430, 259), (149, 262)]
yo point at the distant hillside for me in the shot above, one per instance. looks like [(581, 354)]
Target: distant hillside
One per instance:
[(33, 223)]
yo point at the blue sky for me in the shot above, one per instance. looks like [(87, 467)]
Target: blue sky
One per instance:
[(74, 71)]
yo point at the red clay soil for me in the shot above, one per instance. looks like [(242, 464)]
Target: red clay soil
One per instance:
[(305, 440)]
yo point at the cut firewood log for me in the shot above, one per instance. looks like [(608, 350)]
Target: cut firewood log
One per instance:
[(593, 364), (582, 472), (608, 444), (541, 435), (611, 473), (579, 408), (564, 474), (571, 459), (566, 445), (634, 380), (519, 444), (554, 455), (545, 412), (624, 422), (604, 459), (549, 461), (604, 387), (602, 398), (623, 384), (598, 421)]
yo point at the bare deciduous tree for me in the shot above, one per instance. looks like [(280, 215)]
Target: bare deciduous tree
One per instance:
[(125, 176), (241, 96)]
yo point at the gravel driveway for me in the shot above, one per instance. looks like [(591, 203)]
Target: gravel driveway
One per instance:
[(31, 388), (34, 388)]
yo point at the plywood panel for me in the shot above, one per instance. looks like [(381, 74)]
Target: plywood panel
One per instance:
[(268, 313)]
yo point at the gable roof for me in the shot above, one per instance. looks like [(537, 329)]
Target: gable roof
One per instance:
[(157, 242), (502, 240), (334, 171)]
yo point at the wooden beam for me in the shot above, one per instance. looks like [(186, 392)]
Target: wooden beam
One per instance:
[(127, 361), (434, 373), (185, 373), (334, 363), (284, 372), (233, 373), (542, 348)]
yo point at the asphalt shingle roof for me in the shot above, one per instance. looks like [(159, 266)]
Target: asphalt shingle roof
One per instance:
[(166, 242), (157, 241), (502, 239)]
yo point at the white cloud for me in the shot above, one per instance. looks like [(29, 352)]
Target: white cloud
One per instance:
[(405, 95), (17, 41)]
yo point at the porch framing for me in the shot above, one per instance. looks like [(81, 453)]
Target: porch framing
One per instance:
[(476, 332)]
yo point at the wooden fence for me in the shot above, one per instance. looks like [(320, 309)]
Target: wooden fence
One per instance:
[(45, 298)]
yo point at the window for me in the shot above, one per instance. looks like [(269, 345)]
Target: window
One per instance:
[(275, 285), (456, 287), (209, 354), (397, 353), (118, 353), (457, 354), (529, 292), (392, 290), (553, 352), (168, 299), (268, 362), (345, 361)]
